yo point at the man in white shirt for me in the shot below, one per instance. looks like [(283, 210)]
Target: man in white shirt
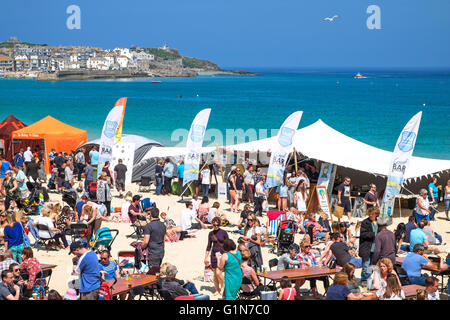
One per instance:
[(432, 288), (205, 175), (186, 218), (27, 156)]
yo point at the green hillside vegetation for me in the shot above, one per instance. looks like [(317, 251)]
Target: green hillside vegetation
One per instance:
[(200, 64), (160, 53), (8, 44)]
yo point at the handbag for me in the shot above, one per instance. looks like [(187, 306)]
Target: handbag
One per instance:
[(39, 290), (338, 211), (332, 264), (26, 240)]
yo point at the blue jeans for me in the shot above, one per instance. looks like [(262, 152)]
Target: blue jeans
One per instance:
[(420, 217), (159, 183), (417, 280), (205, 189), (200, 296), (34, 231), (86, 185), (366, 271), (438, 238), (404, 247), (447, 206), (357, 262), (189, 286)]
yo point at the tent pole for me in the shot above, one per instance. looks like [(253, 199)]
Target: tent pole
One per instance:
[(220, 163), (295, 159)]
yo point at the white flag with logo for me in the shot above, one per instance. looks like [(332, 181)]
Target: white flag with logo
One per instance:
[(399, 163), (112, 122), (194, 146), (281, 150)]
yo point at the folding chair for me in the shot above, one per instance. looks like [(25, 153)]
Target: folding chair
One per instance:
[(138, 227), (77, 231), (402, 275), (145, 204), (42, 241), (46, 275), (273, 263), (126, 255), (247, 295), (145, 184)]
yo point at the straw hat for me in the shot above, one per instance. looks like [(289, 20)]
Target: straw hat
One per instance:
[(71, 294)]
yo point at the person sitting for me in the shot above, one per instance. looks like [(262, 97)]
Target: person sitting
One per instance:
[(400, 236), (432, 237), (413, 264), (134, 212), (31, 266), (318, 231), (353, 284), (392, 291), (204, 207), (186, 219), (417, 236), (8, 290), (214, 212), (339, 290), (54, 295), (286, 292), (8, 260), (243, 218), (380, 273), (432, 288), (308, 260), (252, 285), (52, 232), (174, 288), (340, 251), (411, 225), (18, 280), (108, 268)]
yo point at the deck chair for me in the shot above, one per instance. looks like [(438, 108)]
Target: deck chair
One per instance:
[(145, 184), (122, 255), (272, 230), (145, 204)]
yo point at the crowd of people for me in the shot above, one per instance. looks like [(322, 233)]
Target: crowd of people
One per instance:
[(235, 265)]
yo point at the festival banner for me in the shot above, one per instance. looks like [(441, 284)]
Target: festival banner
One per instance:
[(119, 130), (399, 164), (110, 127), (281, 150), (194, 145)]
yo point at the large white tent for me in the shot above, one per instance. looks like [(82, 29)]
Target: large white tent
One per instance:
[(321, 142)]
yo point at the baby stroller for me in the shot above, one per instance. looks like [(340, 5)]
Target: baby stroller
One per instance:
[(35, 197), (70, 198), (285, 236), (103, 237)]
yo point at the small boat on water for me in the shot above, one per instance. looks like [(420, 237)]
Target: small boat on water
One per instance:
[(359, 76), (156, 81)]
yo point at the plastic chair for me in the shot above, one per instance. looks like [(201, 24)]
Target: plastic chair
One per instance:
[(273, 263)]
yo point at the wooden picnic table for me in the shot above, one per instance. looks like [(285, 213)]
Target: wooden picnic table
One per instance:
[(122, 286), (47, 266), (410, 290), (435, 265), (299, 273)]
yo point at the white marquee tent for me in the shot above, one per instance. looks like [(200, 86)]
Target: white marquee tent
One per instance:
[(320, 141)]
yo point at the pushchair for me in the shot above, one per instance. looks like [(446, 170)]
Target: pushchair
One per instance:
[(37, 194), (103, 237), (285, 236), (70, 197)]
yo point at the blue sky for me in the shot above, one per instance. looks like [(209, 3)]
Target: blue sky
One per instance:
[(249, 33)]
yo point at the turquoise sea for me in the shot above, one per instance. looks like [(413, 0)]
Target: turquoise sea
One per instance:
[(372, 110)]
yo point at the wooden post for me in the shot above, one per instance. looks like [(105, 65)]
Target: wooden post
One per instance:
[(220, 163), (295, 159)]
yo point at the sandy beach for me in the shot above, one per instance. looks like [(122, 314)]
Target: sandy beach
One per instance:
[(188, 255)]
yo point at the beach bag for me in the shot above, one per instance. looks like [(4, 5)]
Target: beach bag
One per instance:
[(104, 292), (338, 211), (26, 240)]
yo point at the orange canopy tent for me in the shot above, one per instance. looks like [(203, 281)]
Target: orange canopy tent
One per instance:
[(55, 135)]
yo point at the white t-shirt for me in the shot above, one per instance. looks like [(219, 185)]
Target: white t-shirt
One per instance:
[(434, 295), (259, 189), (301, 204), (211, 214), (186, 218), (124, 210), (425, 203), (49, 223), (205, 176), (195, 205), (380, 294), (27, 156), (250, 232)]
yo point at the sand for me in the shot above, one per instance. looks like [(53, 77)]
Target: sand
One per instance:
[(188, 255)]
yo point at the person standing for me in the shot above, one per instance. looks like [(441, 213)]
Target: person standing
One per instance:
[(94, 156), (88, 269), (291, 183), (205, 175), (447, 199), (21, 182), (10, 189), (180, 175), (216, 240), (159, 177), (422, 209), (260, 196), (89, 175), (433, 196), (344, 197), (368, 232), (154, 233), (104, 192), (18, 159), (27, 156), (385, 243), (3, 168), (81, 162), (230, 263), (252, 236), (371, 197), (120, 171), (168, 175), (249, 183), (68, 174), (32, 169)]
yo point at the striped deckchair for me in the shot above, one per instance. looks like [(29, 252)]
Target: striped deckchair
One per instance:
[(273, 224)]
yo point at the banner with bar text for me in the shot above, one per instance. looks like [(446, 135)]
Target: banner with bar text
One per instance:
[(281, 150), (399, 164), (110, 127), (194, 145)]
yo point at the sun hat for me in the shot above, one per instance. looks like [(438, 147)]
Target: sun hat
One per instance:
[(71, 294)]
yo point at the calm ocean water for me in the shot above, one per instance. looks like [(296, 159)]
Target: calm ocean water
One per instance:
[(372, 110)]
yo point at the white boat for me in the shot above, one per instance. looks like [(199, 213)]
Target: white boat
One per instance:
[(359, 76)]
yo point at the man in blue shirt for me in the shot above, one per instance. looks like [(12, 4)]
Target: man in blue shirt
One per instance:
[(417, 236), (413, 264), (108, 267), (168, 175), (88, 269), (18, 160), (180, 174)]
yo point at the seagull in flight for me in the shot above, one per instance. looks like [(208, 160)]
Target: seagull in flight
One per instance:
[(332, 18)]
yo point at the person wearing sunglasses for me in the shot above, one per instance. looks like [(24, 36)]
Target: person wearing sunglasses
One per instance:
[(108, 268), (18, 280), (252, 236)]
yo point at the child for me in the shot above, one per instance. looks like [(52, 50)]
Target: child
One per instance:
[(393, 291), (287, 292), (421, 294)]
